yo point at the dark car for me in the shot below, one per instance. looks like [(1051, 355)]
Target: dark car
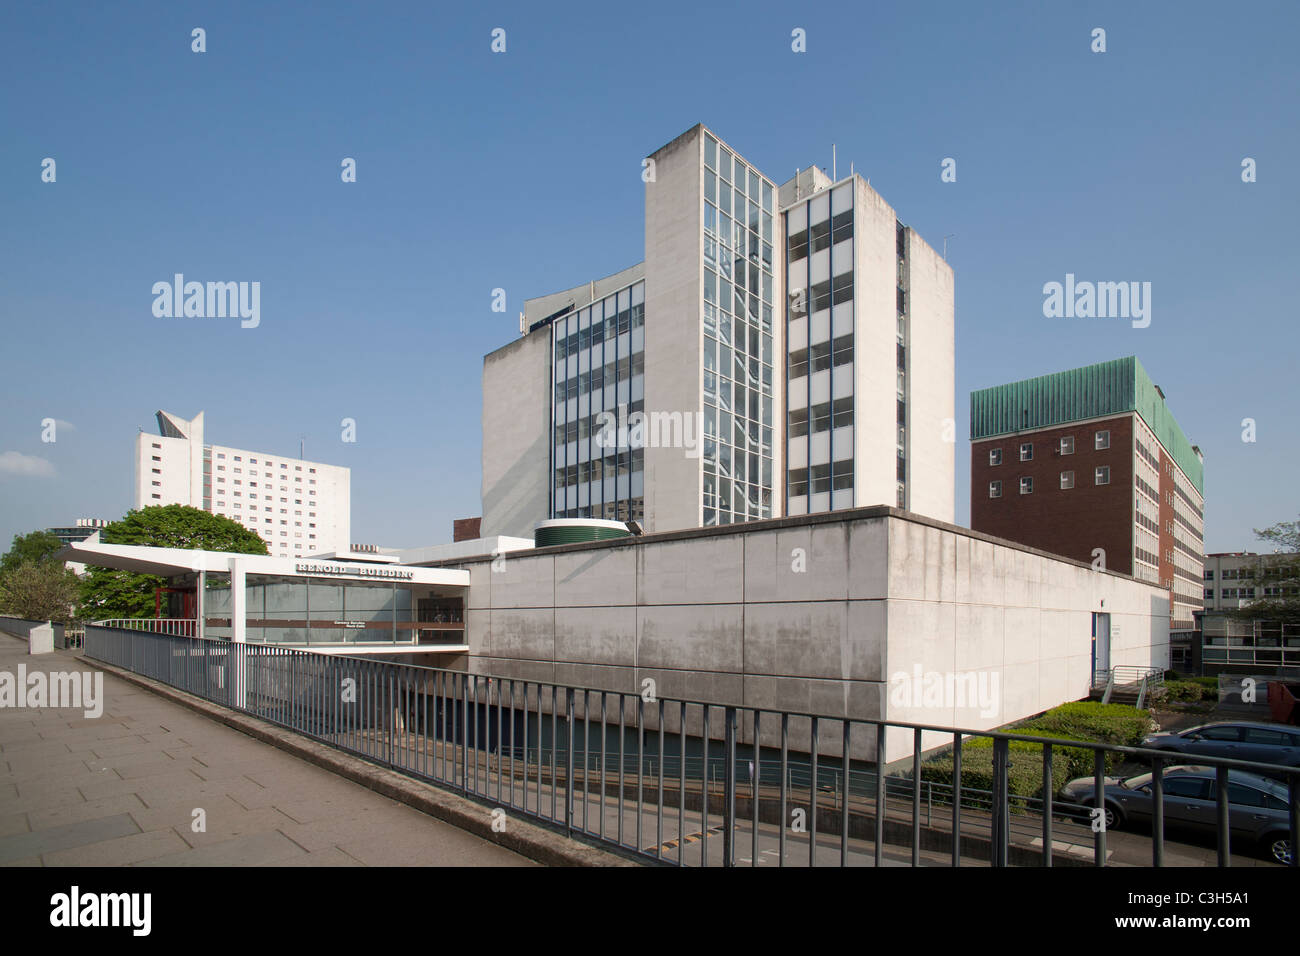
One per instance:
[(1257, 806), (1266, 743)]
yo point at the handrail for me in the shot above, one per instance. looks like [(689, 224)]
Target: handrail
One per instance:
[(472, 732)]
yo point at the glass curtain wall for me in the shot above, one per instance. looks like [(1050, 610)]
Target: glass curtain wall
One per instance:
[(599, 376), (739, 205), (294, 610)]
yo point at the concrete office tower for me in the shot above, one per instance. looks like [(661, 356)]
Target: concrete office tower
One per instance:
[(686, 354), (1090, 464), (870, 414), (298, 507)]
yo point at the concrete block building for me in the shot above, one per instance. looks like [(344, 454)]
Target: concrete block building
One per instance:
[(780, 350), (298, 507), (1090, 464)]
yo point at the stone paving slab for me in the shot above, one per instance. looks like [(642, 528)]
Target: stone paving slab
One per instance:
[(120, 790)]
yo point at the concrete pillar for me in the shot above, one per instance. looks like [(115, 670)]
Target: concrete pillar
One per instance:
[(199, 610), (238, 634)]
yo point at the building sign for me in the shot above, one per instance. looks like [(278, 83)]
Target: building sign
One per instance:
[(401, 574)]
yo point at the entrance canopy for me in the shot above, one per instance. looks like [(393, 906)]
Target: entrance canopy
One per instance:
[(175, 562)]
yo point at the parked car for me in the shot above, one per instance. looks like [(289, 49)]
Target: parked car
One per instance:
[(1257, 806), (1243, 740)]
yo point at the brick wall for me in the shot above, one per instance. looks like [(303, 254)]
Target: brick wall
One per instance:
[(1070, 522)]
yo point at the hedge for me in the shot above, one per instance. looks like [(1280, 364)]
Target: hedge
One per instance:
[(1024, 768), (1116, 724), (1188, 690)]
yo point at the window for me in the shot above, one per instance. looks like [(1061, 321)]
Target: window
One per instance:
[(1229, 732), (1026, 486), (1103, 475), (1272, 738), (1209, 594), (1027, 451), (1067, 445), (842, 475), (995, 456), (1189, 787), (1067, 480), (995, 489), (1101, 440), (1209, 574)]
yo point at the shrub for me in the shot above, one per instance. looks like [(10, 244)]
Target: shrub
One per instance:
[(1185, 690), (1024, 767), (1116, 724)]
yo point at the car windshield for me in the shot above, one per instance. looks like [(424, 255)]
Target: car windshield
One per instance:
[(1135, 783)]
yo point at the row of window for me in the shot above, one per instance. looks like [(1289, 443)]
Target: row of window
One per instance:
[(606, 375), (821, 478), (609, 329), (632, 509), (821, 235), (1101, 476), (731, 169), (266, 461), (1240, 593), (818, 358), (1064, 446), (612, 465), (821, 417)]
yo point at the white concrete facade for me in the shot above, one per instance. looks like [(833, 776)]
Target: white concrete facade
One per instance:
[(298, 507), (707, 238)]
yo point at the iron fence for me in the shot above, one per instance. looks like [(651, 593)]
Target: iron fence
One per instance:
[(671, 779)]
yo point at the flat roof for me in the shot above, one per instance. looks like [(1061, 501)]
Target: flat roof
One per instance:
[(172, 562)]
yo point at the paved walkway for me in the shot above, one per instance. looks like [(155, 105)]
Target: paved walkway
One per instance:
[(121, 790)]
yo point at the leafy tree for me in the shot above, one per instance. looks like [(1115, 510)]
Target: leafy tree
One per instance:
[(108, 593), (39, 591), (1279, 572), (36, 547)]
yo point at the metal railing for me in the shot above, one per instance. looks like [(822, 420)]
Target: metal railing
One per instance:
[(174, 626), (1143, 678), (668, 780)]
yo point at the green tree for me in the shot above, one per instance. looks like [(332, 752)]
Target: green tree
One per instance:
[(39, 591), (36, 547), (109, 593), (1277, 578)]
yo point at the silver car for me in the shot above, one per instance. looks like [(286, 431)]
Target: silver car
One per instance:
[(1243, 740), (1258, 808)]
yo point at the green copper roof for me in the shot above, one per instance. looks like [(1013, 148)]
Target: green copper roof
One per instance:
[(1094, 391)]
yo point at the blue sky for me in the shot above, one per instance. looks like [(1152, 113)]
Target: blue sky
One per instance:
[(522, 171)]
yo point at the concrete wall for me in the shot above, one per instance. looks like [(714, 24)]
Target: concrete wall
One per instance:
[(875, 340), (931, 372), (674, 334), (817, 614), (517, 436)]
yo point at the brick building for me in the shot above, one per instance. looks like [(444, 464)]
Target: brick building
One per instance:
[(1090, 464)]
